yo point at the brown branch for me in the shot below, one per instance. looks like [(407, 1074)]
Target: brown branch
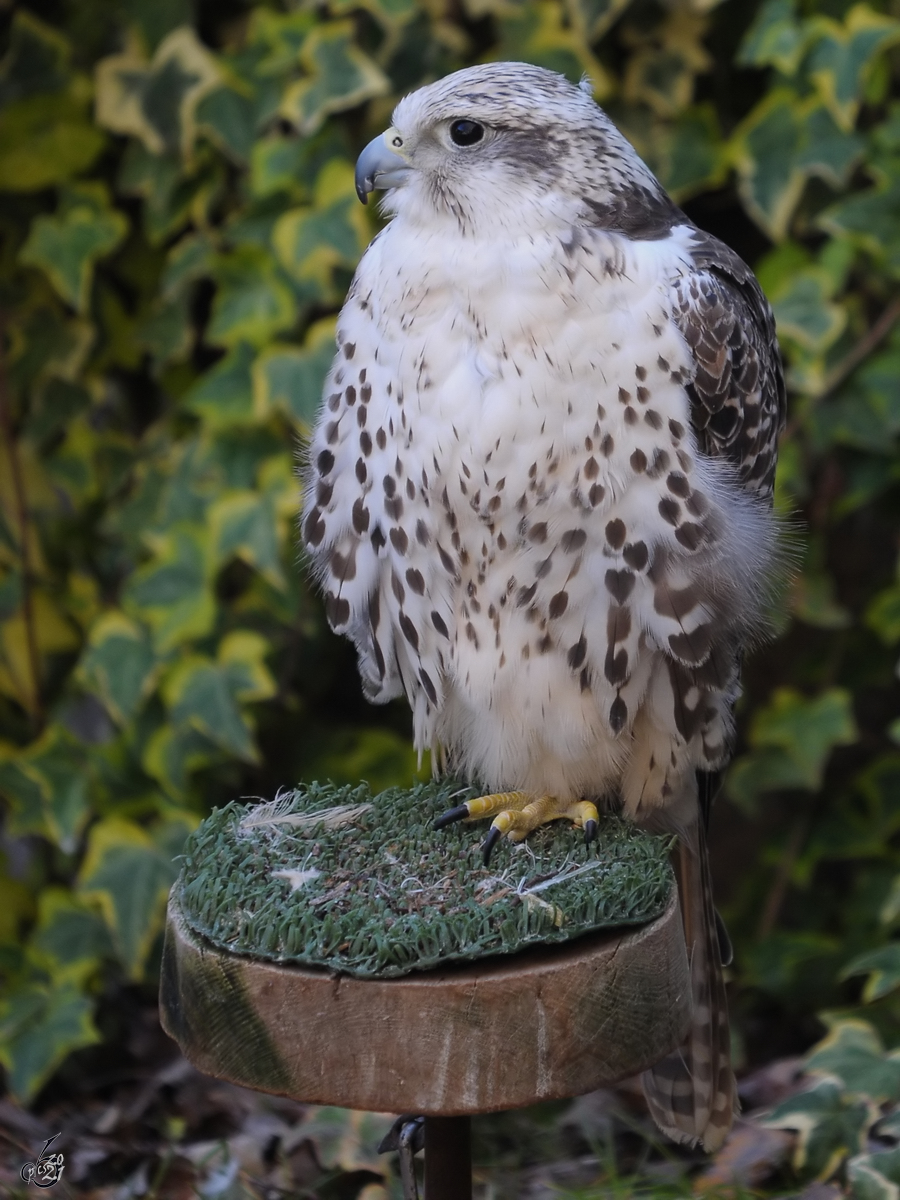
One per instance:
[(861, 350), (848, 364), (8, 432), (781, 881)]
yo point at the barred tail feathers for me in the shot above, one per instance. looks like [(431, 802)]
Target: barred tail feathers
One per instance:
[(692, 1093)]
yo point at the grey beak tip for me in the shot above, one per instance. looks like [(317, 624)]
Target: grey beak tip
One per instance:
[(378, 167)]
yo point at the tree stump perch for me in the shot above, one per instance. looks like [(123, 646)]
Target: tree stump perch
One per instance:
[(484, 1034)]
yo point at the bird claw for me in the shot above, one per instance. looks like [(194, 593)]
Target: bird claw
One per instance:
[(451, 816), (516, 814), (493, 837)]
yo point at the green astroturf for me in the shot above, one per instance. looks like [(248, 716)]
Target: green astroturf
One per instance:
[(335, 877)]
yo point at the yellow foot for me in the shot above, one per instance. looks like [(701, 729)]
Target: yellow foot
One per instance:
[(517, 814)]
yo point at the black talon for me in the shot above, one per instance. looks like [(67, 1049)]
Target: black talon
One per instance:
[(452, 814), (489, 843), (590, 832)]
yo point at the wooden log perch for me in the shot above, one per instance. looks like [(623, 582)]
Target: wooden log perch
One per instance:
[(498, 1034), (493, 1032)]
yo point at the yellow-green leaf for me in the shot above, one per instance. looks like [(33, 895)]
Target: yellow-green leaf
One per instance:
[(538, 33), (224, 394), (311, 241), (119, 664), (292, 377), (883, 968), (227, 118), (173, 592), (242, 654), (70, 938), (244, 525), (828, 1126), (592, 18), (766, 149), (47, 139), (129, 877), (48, 788), (807, 730), (805, 312), (66, 246), (253, 302), (39, 1028), (172, 754), (157, 102), (200, 694), (841, 59), (853, 1053), (37, 60), (275, 165), (775, 38), (340, 77)]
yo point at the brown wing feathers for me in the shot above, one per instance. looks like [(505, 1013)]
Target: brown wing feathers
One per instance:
[(737, 410), (737, 392)]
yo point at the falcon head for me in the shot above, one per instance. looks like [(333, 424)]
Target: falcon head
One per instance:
[(510, 146)]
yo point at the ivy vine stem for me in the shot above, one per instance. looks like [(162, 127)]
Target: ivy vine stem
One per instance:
[(861, 351), (24, 523)]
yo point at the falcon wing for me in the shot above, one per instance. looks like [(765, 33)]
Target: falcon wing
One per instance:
[(344, 524), (737, 390), (367, 528)]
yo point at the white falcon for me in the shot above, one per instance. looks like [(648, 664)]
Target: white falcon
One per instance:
[(538, 496)]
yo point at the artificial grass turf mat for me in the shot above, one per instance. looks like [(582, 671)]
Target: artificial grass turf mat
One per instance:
[(334, 877)]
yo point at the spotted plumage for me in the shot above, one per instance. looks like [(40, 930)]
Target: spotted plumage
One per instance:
[(539, 491)]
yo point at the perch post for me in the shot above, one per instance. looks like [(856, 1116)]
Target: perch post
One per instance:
[(253, 990)]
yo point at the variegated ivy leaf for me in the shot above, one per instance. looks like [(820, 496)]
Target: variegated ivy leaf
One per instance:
[(253, 301), (775, 38), (157, 101), (127, 872), (46, 135), (48, 787), (173, 592), (843, 55), (882, 967), (40, 1026), (332, 232), (806, 730), (781, 144), (592, 18), (66, 246), (206, 695), (538, 33), (827, 1124), (119, 664), (291, 378), (875, 1176), (853, 1054), (224, 395), (340, 76)]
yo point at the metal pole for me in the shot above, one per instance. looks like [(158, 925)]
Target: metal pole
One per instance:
[(448, 1158)]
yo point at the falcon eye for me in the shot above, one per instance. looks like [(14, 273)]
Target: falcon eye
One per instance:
[(466, 133)]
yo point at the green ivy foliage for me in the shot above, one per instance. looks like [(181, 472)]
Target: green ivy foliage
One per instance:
[(178, 227)]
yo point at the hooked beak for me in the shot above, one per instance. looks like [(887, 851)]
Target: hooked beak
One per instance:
[(381, 165)]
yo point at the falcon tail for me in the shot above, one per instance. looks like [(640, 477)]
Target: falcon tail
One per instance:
[(691, 1093)]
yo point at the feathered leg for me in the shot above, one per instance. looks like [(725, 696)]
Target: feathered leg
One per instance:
[(692, 1093)]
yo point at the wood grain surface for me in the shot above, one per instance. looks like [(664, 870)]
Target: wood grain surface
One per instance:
[(497, 1034)]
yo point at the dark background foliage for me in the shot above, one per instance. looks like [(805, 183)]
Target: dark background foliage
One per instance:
[(178, 227)]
